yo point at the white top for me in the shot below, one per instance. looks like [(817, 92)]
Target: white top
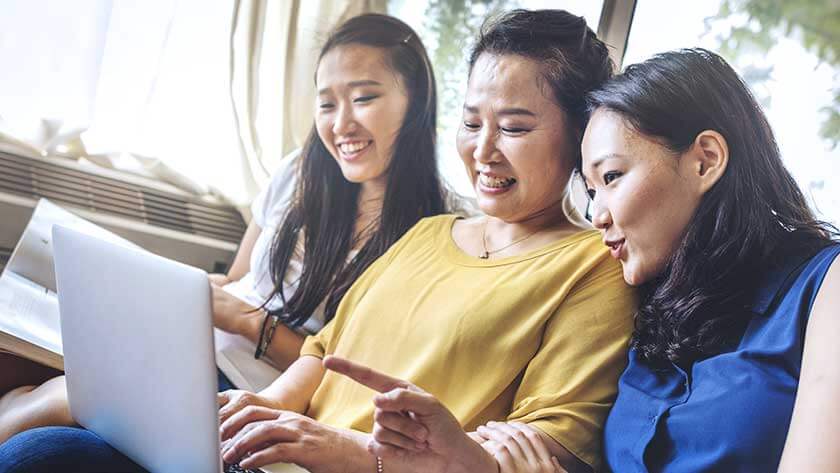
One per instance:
[(235, 353), (268, 210)]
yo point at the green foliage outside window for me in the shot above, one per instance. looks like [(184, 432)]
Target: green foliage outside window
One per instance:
[(454, 24), (815, 23)]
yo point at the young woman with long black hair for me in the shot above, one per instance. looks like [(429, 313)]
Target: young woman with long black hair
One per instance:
[(731, 360), (366, 174)]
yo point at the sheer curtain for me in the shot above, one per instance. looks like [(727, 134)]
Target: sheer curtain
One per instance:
[(50, 66), (205, 94)]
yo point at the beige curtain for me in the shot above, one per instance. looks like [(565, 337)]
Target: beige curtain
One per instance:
[(274, 47)]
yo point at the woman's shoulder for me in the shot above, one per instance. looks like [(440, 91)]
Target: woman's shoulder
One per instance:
[(827, 254), (271, 203), (797, 275), (816, 268), (286, 171), (427, 229), (433, 225), (586, 244), (592, 263)]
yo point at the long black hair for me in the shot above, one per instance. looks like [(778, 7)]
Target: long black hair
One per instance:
[(745, 224), (325, 204)]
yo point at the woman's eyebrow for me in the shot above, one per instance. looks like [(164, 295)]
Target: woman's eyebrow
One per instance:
[(515, 111), (504, 111), (362, 83), (352, 85), (597, 162)]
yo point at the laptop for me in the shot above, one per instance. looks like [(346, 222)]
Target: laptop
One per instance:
[(138, 353)]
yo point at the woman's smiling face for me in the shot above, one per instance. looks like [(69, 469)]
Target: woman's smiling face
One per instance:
[(513, 140), (643, 194), (360, 108)]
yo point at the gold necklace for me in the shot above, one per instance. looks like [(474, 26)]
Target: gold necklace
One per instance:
[(487, 253)]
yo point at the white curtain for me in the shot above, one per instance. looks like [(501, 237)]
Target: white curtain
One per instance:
[(274, 49), (138, 86)]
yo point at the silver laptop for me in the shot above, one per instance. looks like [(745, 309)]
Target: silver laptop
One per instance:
[(138, 353)]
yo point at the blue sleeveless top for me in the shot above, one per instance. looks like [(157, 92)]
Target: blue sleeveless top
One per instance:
[(728, 413)]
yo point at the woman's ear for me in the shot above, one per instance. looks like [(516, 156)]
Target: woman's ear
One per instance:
[(711, 156)]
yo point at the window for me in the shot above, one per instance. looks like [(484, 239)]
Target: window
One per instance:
[(788, 53), (148, 78), (447, 28)]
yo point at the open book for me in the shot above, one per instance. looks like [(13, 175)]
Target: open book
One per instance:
[(29, 317)]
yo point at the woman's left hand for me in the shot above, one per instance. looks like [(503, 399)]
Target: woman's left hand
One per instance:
[(518, 448), (271, 436)]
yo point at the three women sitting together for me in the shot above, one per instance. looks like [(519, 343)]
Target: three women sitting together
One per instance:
[(500, 342)]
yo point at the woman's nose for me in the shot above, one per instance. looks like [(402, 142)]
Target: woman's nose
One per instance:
[(345, 122), (601, 218), (485, 147)]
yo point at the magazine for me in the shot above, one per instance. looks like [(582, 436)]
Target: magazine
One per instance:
[(29, 316)]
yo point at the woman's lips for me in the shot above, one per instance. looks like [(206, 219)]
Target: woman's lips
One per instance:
[(616, 248), (492, 184), (352, 151), (494, 190)]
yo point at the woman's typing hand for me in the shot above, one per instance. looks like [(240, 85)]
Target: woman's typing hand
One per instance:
[(238, 407), (264, 436)]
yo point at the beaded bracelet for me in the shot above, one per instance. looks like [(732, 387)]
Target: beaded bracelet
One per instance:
[(265, 337), (379, 468)]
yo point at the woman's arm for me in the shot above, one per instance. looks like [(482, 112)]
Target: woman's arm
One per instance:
[(295, 387), (242, 261), (814, 433), (235, 316)]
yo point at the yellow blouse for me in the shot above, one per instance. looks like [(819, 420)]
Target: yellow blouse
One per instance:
[(540, 338)]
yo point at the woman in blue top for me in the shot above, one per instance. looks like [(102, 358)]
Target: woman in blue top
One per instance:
[(741, 308), (731, 366)]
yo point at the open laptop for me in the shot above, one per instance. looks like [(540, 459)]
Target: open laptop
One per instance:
[(138, 353)]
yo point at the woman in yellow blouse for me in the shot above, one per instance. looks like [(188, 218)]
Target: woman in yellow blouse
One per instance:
[(519, 315)]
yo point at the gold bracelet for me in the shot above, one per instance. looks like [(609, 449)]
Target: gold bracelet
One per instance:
[(379, 468)]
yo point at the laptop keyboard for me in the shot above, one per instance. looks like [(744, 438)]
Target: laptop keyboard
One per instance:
[(239, 469)]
